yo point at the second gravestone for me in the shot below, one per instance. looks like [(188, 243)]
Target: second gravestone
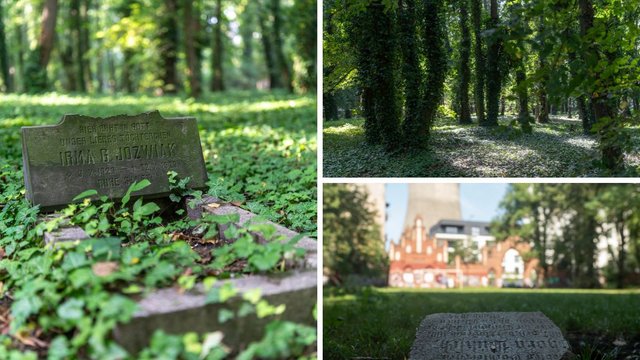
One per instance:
[(485, 336), (108, 155)]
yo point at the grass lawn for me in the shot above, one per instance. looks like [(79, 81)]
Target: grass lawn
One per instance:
[(559, 149), (381, 323)]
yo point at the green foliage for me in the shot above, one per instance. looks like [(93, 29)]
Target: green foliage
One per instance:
[(74, 294), (559, 149), (373, 36), (351, 240)]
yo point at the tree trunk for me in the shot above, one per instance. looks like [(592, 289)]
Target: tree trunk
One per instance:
[(434, 35), (85, 44), (275, 81), (330, 106), (543, 113), (190, 33), (604, 106), (464, 116), (280, 58), (48, 31), (169, 39), (622, 254), (36, 70), (476, 15), (4, 56), (217, 82), (493, 71), (246, 32), (76, 39), (524, 117), (411, 73)]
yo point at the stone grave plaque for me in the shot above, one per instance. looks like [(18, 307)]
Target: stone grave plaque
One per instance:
[(496, 335), (108, 155)]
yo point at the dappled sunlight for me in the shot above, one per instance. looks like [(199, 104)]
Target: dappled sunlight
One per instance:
[(551, 150)]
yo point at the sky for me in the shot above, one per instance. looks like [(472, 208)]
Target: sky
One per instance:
[(479, 202)]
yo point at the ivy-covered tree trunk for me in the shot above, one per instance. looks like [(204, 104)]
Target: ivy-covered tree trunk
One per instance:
[(374, 38), (169, 47), (543, 103), (217, 80), (604, 105), (4, 56), (476, 16), (524, 118), (330, 106), (464, 73), (434, 35), (493, 69), (411, 73), (36, 68)]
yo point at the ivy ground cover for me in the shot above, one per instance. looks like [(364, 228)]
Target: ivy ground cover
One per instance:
[(557, 149), (260, 153)]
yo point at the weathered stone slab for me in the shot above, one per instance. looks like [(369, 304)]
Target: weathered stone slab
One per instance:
[(215, 206), (177, 313), (108, 155), (496, 335)]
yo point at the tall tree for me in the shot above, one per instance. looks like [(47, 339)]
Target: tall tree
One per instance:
[(304, 12), (76, 31), (603, 100), (275, 81), (352, 243), (411, 72), (434, 35), (217, 79), (169, 46), (278, 47), (464, 72), (476, 16), (191, 27), (4, 55), (543, 103), (373, 35), (36, 70), (494, 77)]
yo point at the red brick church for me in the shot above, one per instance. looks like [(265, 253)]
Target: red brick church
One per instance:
[(439, 250)]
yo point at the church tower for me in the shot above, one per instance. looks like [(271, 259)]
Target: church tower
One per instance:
[(432, 202)]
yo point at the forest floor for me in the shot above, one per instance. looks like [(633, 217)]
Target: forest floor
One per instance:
[(381, 323), (558, 149)]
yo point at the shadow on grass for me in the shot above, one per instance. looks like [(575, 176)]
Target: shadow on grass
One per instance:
[(381, 323)]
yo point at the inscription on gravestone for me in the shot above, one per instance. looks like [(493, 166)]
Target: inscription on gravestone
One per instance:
[(108, 155), (485, 336)]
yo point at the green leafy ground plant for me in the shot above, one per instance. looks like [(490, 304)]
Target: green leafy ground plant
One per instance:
[(62, 301), (557, 149)]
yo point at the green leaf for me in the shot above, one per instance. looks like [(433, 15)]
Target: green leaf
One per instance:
[(71, 309), (85, 194), (136, 186), (224, 315)]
